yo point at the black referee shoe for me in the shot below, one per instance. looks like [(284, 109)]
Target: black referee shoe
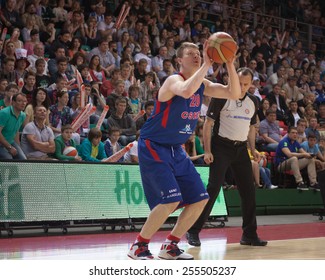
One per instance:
[(252, 242), (193, 239)]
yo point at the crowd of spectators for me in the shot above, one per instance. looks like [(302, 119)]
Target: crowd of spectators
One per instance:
[(49, 49)]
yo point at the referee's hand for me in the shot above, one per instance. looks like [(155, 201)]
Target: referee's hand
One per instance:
[(208, 158)]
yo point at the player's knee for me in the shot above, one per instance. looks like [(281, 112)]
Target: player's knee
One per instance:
[(202, 203), (171, 207)]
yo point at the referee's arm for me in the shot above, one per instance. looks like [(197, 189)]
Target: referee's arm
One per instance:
[(207, 130), (251, 141)]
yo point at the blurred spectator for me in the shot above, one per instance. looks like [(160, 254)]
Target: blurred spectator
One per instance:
[(8, 70), (38, 52), (14, 38), (252, 66), (8, 51), (166, 70), (10, 91), (140, 70), (275, 97), (21, 64), (52, 63), (107, 60), (37, 139), (293, 114), (124, 42), (302, 84), (91, 32), (9, 16), (244, 58), (47, 37), (265, 105), (134, 101), (311, 147), (313, 128), (190, 150), (320, 93), (29, 86), (63, 72), (123, 121), (171, 50), (61, 15), (277, 78), (92, 149), (96, 99), (199, 145), (30, 26), (109, 85), (148, 107), (143, 54), (65, 140), (75, 47), (127, 76), (60, 112), (111, 145), (158, 60), (309, 99), (76, 24), (309, 113), (39, 98), (301, 127), (42, 80), (287, 155), (11, 119), (113, 50), (3, 86), (149, 87), (160, 40), (291, 90), (97, 72), (132, 155), (270, 131), (99, 11), (106, 27), (45, 11)]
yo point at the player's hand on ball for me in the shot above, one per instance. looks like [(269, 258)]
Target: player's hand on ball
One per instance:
[(206, 58)]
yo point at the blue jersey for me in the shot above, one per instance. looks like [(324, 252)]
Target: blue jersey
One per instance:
[(174, 121), (293, 147)]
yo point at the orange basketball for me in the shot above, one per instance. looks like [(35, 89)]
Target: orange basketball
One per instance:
[(221, 47)]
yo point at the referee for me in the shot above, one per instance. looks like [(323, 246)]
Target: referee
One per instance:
[(233, 124)]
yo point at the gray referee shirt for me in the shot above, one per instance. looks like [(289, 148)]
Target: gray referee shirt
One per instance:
[(233, 117)]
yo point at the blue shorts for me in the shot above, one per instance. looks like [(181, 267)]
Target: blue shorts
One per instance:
[(168, 175)]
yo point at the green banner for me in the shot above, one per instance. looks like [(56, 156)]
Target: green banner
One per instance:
[(66, 192)]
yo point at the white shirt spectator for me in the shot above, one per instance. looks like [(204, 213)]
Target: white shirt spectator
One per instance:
[(133, 152)]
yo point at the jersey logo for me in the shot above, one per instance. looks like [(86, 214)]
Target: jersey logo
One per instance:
[(247, 111), (186, 130)]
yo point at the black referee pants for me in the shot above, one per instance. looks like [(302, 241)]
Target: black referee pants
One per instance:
[(226, 154), (321, 182)]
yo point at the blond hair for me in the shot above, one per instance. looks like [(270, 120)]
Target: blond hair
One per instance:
[(185, 45)]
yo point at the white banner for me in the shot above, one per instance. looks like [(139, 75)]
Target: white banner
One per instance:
[(157, 270)]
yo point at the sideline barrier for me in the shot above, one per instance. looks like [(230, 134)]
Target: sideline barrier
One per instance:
[(36, 192)]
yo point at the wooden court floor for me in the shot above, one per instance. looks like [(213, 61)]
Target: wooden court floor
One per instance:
[(303, 241)]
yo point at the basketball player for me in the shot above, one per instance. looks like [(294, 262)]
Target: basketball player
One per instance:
[(233, 124), (169, 178)]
